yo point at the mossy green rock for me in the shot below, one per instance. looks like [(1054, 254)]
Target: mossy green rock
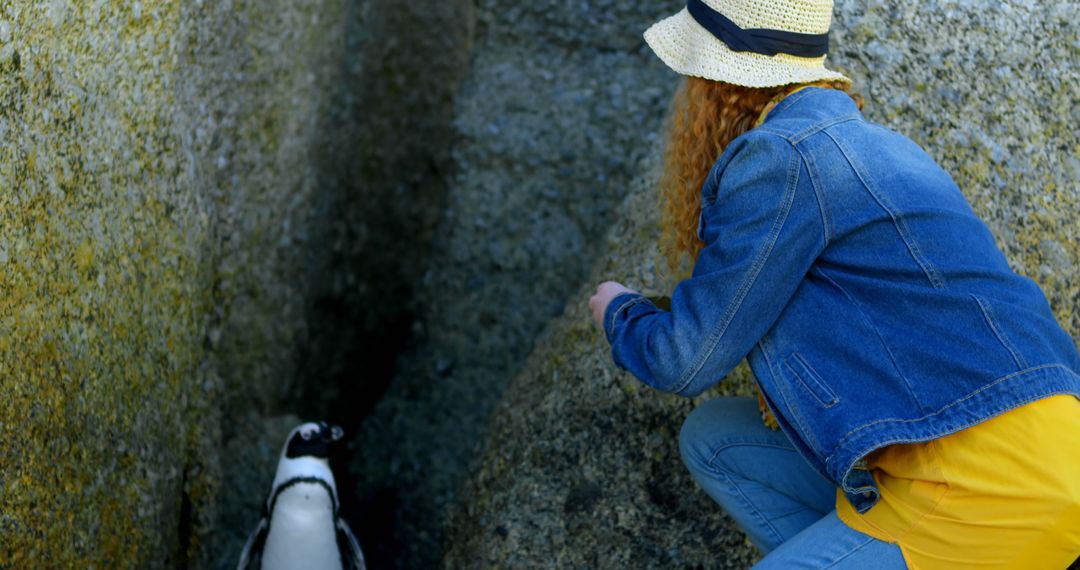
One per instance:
[(580, 468), (163, 194), (209, 210)]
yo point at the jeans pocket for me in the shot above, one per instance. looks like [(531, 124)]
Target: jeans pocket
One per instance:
[(810, 380)]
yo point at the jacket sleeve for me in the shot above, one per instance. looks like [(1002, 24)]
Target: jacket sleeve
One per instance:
[(762, 226)]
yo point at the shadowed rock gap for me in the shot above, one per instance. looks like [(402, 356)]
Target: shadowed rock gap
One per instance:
[(382, 144), (558, 105), (390, 158)]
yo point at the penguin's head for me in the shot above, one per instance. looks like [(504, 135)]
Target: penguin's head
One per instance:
[(313, 439)]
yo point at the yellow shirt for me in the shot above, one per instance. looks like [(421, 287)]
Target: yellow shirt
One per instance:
[(1002, 494)]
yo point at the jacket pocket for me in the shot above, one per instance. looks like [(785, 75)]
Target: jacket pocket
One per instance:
[(810, 381)]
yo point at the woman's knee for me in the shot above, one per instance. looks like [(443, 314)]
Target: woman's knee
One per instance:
[(715, 424)]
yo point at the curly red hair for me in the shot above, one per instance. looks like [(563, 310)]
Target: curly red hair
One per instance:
[(705, 117)]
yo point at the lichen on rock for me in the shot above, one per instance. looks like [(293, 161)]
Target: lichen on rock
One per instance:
[(166, 184), (209, 210)]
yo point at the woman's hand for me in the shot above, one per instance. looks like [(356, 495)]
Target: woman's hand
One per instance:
[(605, 292)]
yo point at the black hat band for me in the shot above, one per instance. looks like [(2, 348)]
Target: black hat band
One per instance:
[(758, 40)]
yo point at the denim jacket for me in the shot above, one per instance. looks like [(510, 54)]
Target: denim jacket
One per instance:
[(871, 302)]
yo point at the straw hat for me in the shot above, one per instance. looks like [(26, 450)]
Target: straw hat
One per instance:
[(754, 43)]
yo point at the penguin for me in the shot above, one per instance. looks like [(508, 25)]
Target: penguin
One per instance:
[(301, 527)]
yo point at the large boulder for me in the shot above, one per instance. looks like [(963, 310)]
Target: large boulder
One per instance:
[(196, 197), (164, 188), (580, 465)]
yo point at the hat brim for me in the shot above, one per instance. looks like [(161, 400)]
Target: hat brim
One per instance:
[(689, 49)]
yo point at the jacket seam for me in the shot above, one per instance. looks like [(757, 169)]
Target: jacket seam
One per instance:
[(877, 333), (808, 159), (748, 281), (799, 136), (985, 310), (840, 443), (818, 127), (899, 224), (810, 130), (741, 443)]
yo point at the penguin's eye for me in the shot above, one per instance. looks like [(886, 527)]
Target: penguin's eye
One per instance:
[(307, 434)]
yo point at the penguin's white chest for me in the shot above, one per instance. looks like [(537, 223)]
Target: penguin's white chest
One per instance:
[(302, 533)]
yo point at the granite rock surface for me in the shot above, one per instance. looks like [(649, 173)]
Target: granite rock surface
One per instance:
[(558, 105), (183, 201), (580, 466), (220, 218), (162, 183)]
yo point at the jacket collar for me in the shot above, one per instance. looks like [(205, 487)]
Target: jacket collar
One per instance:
[(813, 102)]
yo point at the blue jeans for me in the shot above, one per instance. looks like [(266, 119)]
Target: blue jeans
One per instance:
[(786, 507)]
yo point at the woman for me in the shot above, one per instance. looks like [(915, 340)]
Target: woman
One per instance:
[(928, 400)]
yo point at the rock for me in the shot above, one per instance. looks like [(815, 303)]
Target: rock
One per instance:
[(569, 421), (218, 218), (186, 187), (558, 105), (580, 463)]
